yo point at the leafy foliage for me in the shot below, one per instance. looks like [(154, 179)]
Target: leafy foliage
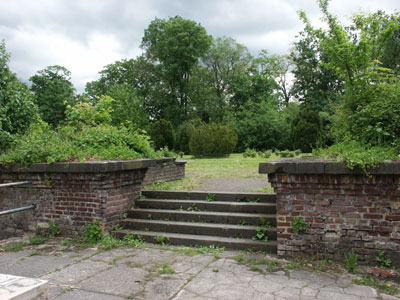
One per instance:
[(162, 135), (299, 224), (53, 91), (85, 136), (212, 140), (306, 130), (17, 108)]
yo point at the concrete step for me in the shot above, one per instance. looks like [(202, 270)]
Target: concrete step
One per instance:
[(202, 205), (201, 240), (201, 216), (225, 196), (223, 230)]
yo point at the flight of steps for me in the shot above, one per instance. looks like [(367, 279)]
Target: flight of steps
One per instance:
[(187, 218)]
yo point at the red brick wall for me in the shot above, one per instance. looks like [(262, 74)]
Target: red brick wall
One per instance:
[(72, 199), (167, 169), (343, 213)]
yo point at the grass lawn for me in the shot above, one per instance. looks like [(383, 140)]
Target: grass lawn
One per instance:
[(234, 166)]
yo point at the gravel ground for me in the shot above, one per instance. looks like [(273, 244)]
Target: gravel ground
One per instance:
[(232, 184)]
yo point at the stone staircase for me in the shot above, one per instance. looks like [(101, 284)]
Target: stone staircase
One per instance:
[(202, 219)]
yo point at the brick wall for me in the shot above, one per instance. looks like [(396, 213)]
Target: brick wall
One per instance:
[(344, 210), (72, 194), (166, 169)]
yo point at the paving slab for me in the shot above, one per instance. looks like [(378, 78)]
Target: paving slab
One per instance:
[(137, 273)]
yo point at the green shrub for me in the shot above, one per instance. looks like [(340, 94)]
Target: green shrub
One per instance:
[(213, 140), (184, 133), (249, 153), (17, 108), (67, 143), (165, 152), (306, 130), (355, 154), (162, 134), (266, 154), (286, 153)]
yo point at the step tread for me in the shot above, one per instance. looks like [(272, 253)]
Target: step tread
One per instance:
[(213, 213), (196, 224), (233, 203), (192, 237)]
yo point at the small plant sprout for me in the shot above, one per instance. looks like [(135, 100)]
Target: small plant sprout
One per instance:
[(384, 263), (162, 240), (299, 224), (262, 231), (351, 262), (210, 197)]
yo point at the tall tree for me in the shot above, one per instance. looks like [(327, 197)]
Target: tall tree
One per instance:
[(370, 107), (17, 108), (225, 59), (315, 85), (53, 92), (174, 46), (278, 67)]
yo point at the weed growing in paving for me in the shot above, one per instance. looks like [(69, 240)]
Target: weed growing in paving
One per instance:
[(165, 269), (34, 253), (132, 241), (93, 233), (351, 262), (239, 258), (36, 240), (386, 288), (14, 247), (272, 265), (54, 230)]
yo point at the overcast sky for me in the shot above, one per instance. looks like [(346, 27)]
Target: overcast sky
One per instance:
[(86, 35)]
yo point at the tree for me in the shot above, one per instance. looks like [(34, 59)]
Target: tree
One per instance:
[(371, 91), (306, 130), (277, 67), (174, 47), (162, 134), (224, 60), (17, 108), (128, 106), (315, 85), (53, 92)]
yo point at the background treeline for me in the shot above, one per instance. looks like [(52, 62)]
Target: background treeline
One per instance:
[(205, 95)]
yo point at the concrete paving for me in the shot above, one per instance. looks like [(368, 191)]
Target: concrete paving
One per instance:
[(175, 273)]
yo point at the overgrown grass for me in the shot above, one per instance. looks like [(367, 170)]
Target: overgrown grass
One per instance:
[(234, 166)]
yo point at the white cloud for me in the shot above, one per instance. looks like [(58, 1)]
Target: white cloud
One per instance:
[(84, 36)]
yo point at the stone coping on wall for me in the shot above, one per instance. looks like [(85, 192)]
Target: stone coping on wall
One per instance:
[(321, 166), (87, 167)]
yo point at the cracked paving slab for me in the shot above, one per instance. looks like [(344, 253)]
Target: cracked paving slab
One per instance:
[(134, 273)]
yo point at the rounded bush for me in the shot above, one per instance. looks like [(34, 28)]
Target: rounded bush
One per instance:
[(213, 140), (306, 130)]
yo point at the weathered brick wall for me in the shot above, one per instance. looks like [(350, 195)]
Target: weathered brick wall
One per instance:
[(72, 195), (167, 169), (344, 210)]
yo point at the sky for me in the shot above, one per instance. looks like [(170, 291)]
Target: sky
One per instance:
[(86, 35)]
